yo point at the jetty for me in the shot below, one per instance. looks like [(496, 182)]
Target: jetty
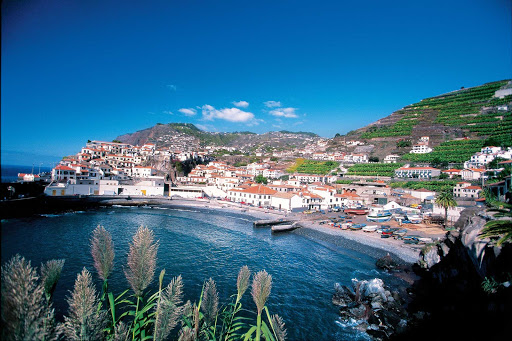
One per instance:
[(271, 222)]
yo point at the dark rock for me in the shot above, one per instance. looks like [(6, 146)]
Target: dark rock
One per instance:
[(386, 263)]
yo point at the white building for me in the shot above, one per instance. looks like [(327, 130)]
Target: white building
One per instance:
[(143, 172), (466, 190), (391, 158), (286, 201), (417, 172), (421, 148), (258, 195)]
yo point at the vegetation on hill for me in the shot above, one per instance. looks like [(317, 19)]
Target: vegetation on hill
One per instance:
[(456, 151), (299, 133), (374, 169), (473, 110), (401, 128), (432, 185), (312, 167)]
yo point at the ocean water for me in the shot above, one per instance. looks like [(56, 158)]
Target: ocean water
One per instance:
[(199, 244), (10, 172)]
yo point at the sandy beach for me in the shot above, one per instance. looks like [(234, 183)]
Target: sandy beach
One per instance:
[(406, 252)]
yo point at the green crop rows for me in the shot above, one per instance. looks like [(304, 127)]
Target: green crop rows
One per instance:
[(451, 151), (374, 169), (313, 167)]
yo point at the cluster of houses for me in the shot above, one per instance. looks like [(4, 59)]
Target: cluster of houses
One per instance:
[(474, 169), (108, 168)]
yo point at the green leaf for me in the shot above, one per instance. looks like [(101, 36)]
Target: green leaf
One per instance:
[(249, 333)]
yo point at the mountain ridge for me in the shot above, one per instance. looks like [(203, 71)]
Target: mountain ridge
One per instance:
[(468, 113)]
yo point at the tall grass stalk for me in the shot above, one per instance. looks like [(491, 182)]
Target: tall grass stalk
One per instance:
[(84, 322), (25, 313), (261, 286)]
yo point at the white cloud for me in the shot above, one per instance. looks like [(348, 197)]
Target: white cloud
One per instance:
[(272, 104), (172, 87), (188, 111), (228, 114), (167, 112), (241, 104), (284, 112)]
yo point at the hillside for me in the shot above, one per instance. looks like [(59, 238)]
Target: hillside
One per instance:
[(187, 136), (473, 113)]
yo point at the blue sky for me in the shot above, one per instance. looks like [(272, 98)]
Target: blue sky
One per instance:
[(78, 70)]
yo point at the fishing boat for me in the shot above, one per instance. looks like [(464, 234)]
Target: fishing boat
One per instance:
[(414, 218), (356, 227), (346, 226), (399, 233), (357, 211), (370, 228), (285, 227), (379, 215)]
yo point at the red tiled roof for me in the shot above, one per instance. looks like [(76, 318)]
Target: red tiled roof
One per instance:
[(260, 189), (61, 167)]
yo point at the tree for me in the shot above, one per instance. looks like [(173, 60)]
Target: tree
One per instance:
[(260, 179), (445, 200)]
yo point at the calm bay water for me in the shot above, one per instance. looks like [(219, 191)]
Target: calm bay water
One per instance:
[(199, 244)]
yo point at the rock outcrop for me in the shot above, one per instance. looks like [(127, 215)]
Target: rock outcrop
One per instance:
[(371, 307)]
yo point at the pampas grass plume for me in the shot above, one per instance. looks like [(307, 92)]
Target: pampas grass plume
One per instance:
[(50, 274), (242, 282), (169, 311), (141, 260), (84, 322), (25, 314), (261, 286), (210, 304), (102, 250)]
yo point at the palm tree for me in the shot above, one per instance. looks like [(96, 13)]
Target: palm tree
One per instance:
[(445, 200)]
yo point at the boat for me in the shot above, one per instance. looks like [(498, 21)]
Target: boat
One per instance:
[(346, 226), (356, 227), (370, 228), (285, 227), (357, 211), (378, 215), (414, 218), (400, 233), (385, 235), (379, 219)]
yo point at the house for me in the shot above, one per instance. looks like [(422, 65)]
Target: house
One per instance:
[(258, 195), (466, 190), (417, 172), (290, 201), (143, 172), (28, 177), (423, 194), (421, 148), (63, 173), (452, 172), (391, 158), (472, 173)]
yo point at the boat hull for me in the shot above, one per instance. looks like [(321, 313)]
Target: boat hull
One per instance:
[(378, 219)]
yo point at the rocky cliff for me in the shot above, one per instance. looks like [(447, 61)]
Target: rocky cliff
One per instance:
[(449, 301)]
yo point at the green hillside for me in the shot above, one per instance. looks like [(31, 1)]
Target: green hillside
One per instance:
[(472, 110)]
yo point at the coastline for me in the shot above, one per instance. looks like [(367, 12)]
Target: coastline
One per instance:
[(406, 253), (36, 206)]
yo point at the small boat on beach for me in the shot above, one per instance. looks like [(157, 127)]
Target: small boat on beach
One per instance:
[(357, 211), (357, 227), (370, 228), (285, 227)]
